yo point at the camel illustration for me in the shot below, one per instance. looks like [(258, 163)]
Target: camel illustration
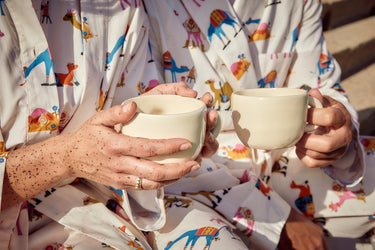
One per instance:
[(344, 195), (269, 79), (262, 33), (209, 233), (170, 64), (44, 57), (1, 7), (193, 31), (83, 27), (66, 79), (237, 152), (222, 95), (217, 19), (245, 214), (239, 68), (304, 202)]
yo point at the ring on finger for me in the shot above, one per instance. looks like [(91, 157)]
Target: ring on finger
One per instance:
[(138, 184)]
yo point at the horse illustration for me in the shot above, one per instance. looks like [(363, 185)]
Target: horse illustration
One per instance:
[(217, 19), (46, 58), (209, 233)]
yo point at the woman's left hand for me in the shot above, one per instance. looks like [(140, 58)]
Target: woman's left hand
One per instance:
[(210, 145), (333, 136)]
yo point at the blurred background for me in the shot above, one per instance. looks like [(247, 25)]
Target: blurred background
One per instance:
[(349, 29)]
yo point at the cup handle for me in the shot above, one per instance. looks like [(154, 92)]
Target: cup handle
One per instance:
[(216, 130), (315, 103)]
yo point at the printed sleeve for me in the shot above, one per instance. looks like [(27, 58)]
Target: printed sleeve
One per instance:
[(314, 67)]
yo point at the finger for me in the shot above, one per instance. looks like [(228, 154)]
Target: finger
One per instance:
[(154, 171), (210, 146), (328, 142), (120, 144), (336, 154), (207, 99), (115, 115), (328, 117), (316, 93), (212, 117), (313, 163)]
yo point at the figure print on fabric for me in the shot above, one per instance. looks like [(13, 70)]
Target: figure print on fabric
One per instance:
[(114, 206), (67, 78), (343, 194), (209, 198), (337, 86), (197, 3), (44, 7), (102, 97), (118, 46), (1, 7), (245, 176), (1, 34), (193, 35), (150, 50), (239, 151), (222, 95), (271, 2), (244, 220), (142, 88), (136, 3), (59, 246), (122, 81), (295, 37), (170, 201), (240, 67), (324, 64), (191, 76), (269, 79), (46, 58), (170, 65), (88, 200), (42, 120), (262, 33), (217, 19), (281, 165), (264, 188), (208, 233), (369, 145), (304, 202)]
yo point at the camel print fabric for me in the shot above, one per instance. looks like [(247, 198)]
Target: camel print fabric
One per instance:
[(63, 61)]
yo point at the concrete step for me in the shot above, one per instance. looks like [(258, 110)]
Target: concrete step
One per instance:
[(353, 45), (340, 12), (360, 89)]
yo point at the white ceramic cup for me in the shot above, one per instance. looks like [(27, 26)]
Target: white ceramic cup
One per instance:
[(271, 118), (169, 116)]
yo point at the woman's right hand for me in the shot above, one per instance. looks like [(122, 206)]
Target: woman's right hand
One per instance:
[(99, 153), (95, 151)]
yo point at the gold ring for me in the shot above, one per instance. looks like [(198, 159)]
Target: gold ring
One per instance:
[(138, 184)]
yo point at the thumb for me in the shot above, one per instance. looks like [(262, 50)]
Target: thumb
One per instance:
[(115, 115), (316, 93)]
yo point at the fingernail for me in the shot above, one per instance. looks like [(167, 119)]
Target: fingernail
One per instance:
[(126, 107), (185, 146), (195, 168)]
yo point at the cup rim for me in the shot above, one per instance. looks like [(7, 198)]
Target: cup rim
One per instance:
[(191, 99), (280, 91)]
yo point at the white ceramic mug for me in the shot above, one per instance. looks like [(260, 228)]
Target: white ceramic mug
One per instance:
[(169, 116), (271, 118)]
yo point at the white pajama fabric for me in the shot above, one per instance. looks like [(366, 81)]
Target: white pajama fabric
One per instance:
[(62, 61)]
